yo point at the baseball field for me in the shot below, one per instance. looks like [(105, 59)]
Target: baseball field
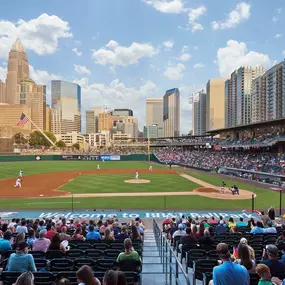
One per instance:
[(79, 185)]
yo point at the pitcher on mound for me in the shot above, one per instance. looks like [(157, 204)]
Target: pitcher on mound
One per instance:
[(137, 175)]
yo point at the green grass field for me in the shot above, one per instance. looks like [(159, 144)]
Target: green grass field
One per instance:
[(114, 183)]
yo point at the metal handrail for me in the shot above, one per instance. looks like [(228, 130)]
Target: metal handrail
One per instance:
[(167, 256)]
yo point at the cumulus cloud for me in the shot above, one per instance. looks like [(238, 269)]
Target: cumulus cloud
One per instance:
[(116, 55), (167, 6), (276, 16), (199, 65), (174, 72), (81, 69), (234, 18), (194, 15), (40, 35), (168, 45), (277, 36), (235, 55), (184, 57), (77, 52)]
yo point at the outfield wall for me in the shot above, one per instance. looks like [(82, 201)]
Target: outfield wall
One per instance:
[(79, 157)]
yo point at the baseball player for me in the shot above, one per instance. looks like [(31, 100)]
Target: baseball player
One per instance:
[(222, 190), (137, 175), (150, 168), (18, 183), (21, 173), (98, 167)]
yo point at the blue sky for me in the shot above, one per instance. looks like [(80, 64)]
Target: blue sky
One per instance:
[(123, 51)]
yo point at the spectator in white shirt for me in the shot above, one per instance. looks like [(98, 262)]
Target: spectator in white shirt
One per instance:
[(23, 228), (180, 232), (270, 229)]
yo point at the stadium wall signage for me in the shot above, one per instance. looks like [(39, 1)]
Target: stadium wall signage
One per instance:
[(121, 214), (91, 157)]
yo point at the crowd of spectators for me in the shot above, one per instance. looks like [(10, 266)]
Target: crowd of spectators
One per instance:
[(235, 244), (212, 160), (45, 235)]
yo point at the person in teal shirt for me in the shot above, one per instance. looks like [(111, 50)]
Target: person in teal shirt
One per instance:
[(21, 261), (5, 244), (263, 272)]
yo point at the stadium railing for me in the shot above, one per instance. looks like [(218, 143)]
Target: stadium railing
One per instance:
[(172, 268)]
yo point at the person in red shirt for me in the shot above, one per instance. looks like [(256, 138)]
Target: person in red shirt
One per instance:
[(213, 221), (50, 232)]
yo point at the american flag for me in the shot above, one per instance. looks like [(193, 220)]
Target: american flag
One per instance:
[(23, 120)]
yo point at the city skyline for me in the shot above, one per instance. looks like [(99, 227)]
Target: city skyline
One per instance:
[(180, 44)]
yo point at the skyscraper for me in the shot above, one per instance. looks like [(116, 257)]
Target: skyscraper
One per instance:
[(154, 117), (18, 70), (3, 98), (215, 104), (66, 107), (199, 113), (171, 113), (92, 120), (105, 122), (122, 112), (258, 99)]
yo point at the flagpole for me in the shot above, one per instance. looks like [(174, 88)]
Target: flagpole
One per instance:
[(41, 131)]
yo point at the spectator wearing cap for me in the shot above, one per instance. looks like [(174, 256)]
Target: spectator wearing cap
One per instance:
[(270, 258), (258, 229), (180, 232), (42, 243), (241, 223), (21, 261), (270, 229), (228, 272), (263, 272), (92, 234), (221, 227)]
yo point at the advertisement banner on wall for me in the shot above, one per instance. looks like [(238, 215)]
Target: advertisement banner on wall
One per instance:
[(115, 157), (80, 157), (105, 157)]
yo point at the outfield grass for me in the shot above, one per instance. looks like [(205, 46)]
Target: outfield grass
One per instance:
[(105, 183)]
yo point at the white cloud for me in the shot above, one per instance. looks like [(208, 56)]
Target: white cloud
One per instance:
[(194, 15), (199, 65), (276, 17), (77, 52), (116, 94), (234, 18), (184, 57), (235, 55), (174, 72), (81, 69), (40, 35), (168, 45), (283, 52), (167, 6), (277, 36), (3, 72), (184, 49), (117, 55)]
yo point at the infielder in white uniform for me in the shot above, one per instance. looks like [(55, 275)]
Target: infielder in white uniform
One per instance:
[(18, 183), (98, 167), (137, 175), (21, 173), (150, 168)]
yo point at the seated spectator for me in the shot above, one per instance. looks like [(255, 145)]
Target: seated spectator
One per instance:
[(31, 238), (22, 228), (258, 229), (5, 244), (115, 228), (110, 278), (123, 235), (270, 229), (56, 243), (201, 230), (231, 222), (135, 235), (180, 232), (139, 228), (19, 238), (26, 278), (241, 223), (221, 228), (78, 234), (11, 225), (50, 231), (187, 239), (213, 221), (129, 252), (92, 234), (234, 230), (251, 250), (251, 223), (194, 230), (108, 235), (206, 242), (42, 243), (270, 258), (85, 276), (63, 235), (228, 272), (21, 261), (244, 257), (263, 272), (42, 225)]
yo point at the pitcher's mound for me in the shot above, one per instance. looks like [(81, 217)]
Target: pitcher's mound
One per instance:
[(137, 181)]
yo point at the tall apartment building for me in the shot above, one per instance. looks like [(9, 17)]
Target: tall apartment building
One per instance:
[(3, 98), (215, 104), (258, 99), (154, 117), (130, 126), (171, 113), (199, 113), (92, 120), (105, 121), (48, 118), (66, 107)]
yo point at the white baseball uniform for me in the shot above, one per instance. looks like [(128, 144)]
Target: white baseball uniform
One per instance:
[(137, 175), (18, 183), (98, 167), (21, 173), (150, 168)]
